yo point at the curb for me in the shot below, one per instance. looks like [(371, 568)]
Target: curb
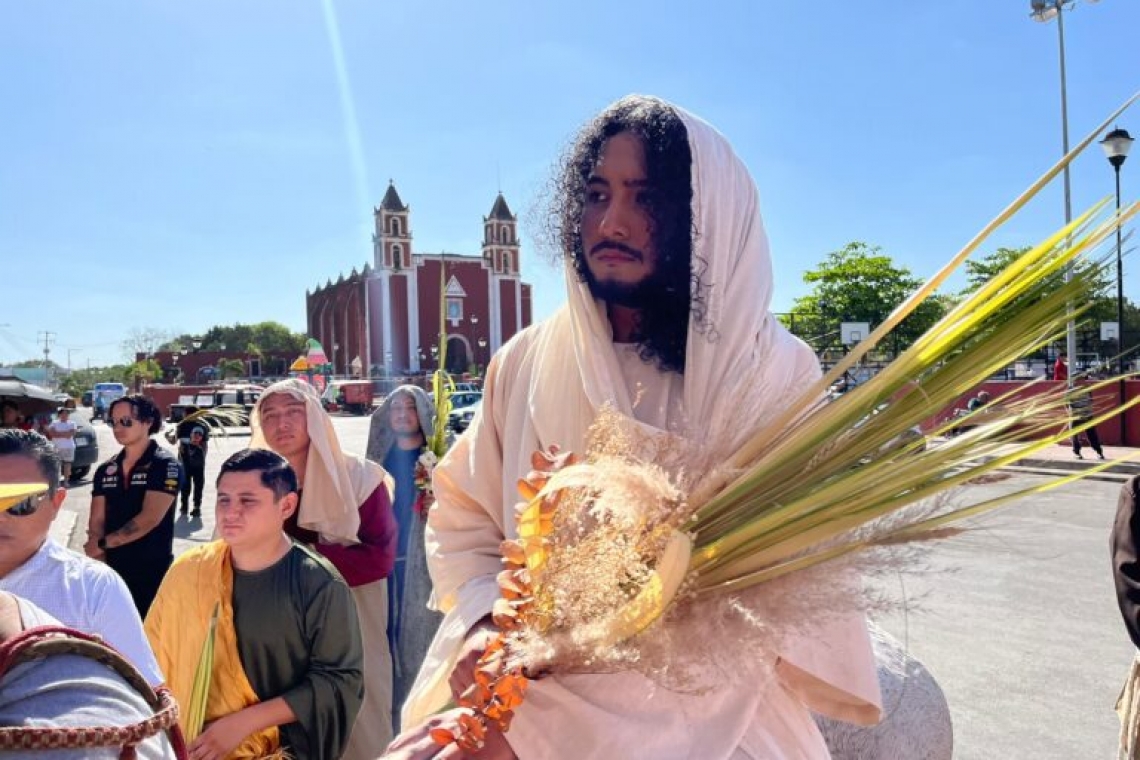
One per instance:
[(1076, 465)]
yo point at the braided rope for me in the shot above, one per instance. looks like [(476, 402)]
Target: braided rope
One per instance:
[(47, 641)]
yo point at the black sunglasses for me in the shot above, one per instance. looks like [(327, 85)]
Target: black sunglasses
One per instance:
[(27, 507), (124, 422)]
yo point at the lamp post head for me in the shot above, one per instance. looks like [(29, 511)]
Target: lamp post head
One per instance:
[(1116, 145), (1044, 10)]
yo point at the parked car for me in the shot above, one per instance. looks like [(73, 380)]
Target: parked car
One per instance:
[(241, 395), (86, 447), (459, 419), (463, 399)]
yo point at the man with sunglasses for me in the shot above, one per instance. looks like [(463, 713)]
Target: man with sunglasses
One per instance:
[(131, 525), (79, 592)]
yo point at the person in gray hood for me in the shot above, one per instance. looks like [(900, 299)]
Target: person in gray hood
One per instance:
[(398, 441)]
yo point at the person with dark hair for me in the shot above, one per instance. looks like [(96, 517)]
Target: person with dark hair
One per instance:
[(667, 327), (288, 657), (345, 513), (1081, 412), (62, 434), (131, 524), (193, 437), (1061, 367), (79, 592), (1124, 550), (9, 414), (398, 439)]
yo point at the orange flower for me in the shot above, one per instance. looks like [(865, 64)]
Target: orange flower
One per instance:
[(513, 553)]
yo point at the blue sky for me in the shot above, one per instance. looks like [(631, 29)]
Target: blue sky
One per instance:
[(179, 165)]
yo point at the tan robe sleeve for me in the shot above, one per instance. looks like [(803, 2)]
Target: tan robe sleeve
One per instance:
[(465, 526)]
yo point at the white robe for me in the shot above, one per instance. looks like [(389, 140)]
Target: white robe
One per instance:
[(545, 388)]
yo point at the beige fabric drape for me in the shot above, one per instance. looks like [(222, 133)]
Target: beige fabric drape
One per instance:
[(373, 727), (545, 387), (336, 484)]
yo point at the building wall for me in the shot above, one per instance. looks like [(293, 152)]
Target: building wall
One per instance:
[(367, 314)]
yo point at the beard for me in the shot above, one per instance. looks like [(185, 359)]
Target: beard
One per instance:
[(632, 295)]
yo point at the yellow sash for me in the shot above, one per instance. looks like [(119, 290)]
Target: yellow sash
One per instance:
[(177, 625)]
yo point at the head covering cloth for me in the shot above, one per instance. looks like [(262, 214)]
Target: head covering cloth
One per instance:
[(742, 369), (335, 484), (380, 435)]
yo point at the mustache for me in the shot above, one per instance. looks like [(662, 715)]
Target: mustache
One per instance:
[(612, 245)]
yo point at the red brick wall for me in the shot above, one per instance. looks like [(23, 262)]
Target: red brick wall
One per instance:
[(507, 308), (399, 347), (1104, 398), (527, 319)]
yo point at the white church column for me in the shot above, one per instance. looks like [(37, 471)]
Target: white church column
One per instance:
[(413, 318), (386, 309), (495, 313)]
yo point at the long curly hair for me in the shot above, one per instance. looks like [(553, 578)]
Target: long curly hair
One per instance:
[(672, 295)]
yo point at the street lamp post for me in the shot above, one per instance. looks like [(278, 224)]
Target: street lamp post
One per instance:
[(1116, 144), (1044, 11)]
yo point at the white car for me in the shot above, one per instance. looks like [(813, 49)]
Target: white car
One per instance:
[(459, 419)]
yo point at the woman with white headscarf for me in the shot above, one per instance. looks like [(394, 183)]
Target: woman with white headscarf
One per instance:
[(669, 283), (345, 513)]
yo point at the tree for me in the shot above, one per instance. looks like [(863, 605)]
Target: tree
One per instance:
[(256, 339), (859, 283), (143, 371), (77, 382), (144, 340), (228, 368), (1103, 308)]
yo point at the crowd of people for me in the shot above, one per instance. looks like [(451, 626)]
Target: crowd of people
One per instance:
[(347, 609)]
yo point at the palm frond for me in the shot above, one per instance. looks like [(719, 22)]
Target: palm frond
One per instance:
[(203, 678), (812, 493)]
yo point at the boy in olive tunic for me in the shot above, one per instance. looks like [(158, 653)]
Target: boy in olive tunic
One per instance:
[(288, 659)]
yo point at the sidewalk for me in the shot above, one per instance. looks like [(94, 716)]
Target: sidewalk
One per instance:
[(1062, 458)]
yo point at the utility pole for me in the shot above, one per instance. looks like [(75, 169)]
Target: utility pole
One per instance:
[(48, 338)]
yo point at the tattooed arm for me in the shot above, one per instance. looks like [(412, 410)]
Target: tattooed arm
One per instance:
[(155, 506)]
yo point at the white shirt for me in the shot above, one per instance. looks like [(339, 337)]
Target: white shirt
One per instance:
[(86, 595), (59, 426), (31, 615)]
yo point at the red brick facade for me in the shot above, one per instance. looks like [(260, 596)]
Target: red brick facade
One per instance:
[(388, 315)]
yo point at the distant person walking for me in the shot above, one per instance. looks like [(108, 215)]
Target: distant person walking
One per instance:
[(1081, 411), (1061, 367), (193, 445), (62, 435)]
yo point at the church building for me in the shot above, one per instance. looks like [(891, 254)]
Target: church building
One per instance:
[(385, 318)]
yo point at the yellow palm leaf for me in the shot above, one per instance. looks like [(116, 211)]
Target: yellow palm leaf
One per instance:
[(203, 677)]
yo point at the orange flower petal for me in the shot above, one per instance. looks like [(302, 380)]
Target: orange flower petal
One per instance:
[(443, 736)]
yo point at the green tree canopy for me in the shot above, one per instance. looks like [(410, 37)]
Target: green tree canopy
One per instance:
[(1103, 307), (229, 368), (255, 339), (859, 283), (82, 380)]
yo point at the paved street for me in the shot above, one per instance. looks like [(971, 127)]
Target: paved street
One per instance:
[(1016, 619)]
